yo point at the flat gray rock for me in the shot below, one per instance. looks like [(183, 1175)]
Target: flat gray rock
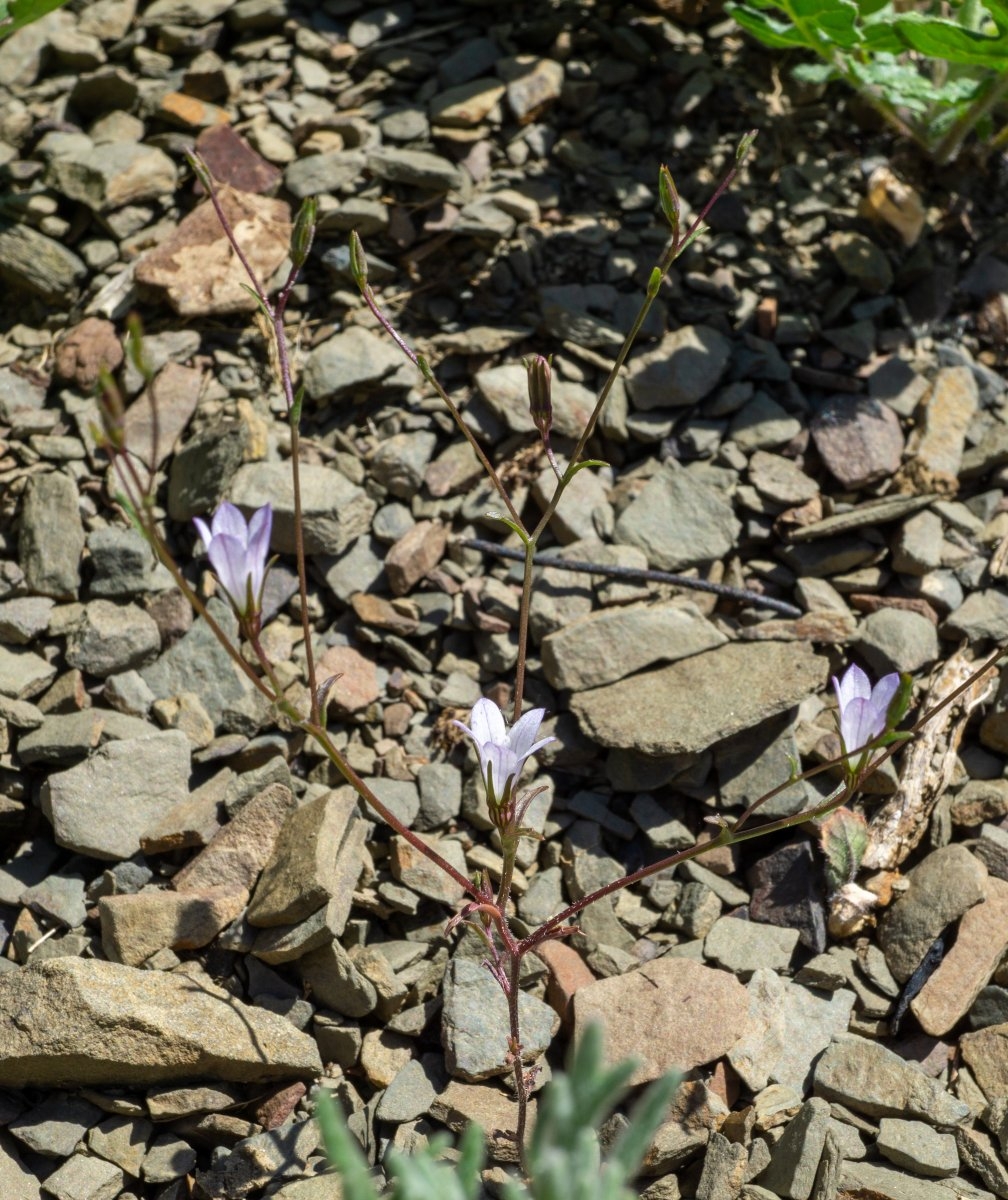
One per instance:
[(613, 643), (686, 707), (679, 520), (52, 535), (474, 1023), (86, 1022), (870, 1079), (102, 806), (353, 359), (684, 366)]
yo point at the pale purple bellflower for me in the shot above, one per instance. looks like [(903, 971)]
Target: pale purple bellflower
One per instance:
[(862, 710), (238, 554), (502, 751)]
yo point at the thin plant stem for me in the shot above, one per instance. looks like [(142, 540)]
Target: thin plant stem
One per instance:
[(523, 626), (514, 1020), (951, 143)]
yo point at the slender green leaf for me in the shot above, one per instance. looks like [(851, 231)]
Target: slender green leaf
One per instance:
[(15, 14)]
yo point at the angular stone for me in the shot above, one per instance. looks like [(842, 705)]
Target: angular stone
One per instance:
[(195, 270), (859, 439), (415, 555), (474, 1023), (135, 927), (52, 535), (24, 674), (16, 1181), (356, 684), (335, 511), (613, 643), (198, 663), (795, 1158), (981, 942), (683, 368), (239, 851), (113, 638), (745, 946), (317, 861), (56, 1127), (417, 167), (111, 175), (415, 871), (789, 1027), (941, 888), (937, 443), (672, 1013), (335, 981), (461, 1104), (232, 160), (32, 262), (985, 1052), (533, 84), (90, 346), (505, 390), (918, 1148), (86, 1022), (349, 361), (679, 520), (83, 1177), (870, 1079), (102, 806), (156, 420), (686, 707)]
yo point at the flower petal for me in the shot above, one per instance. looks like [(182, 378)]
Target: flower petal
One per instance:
[(536, 747), (487, 723), (523, 732), (259, 528), (854, 684), (203, 529), (859, 723), (882, 694), (229, 520), (228, 559)]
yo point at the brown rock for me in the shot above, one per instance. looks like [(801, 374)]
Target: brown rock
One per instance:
[(382, 614), (414, 554), (414, 870), (979, 946), (174, 394), (76, 1021), (136, 926), (190, 113), (986, 1054), (239, 852), (461, 1104), (317, 859), (937, 443), (357, 684), (858, 439), (195, 269), (233, 161), (192, 822), (567, 973), (275, 1109), (670, 1013), (88, 347)]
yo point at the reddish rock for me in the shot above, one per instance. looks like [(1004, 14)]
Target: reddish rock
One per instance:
[(189, 112), (239, 852), (414, 554), (357, 684), (858, 439), (196, 271), (567, 972), (979, 946), (86, 349), (275, 1109), (233, 161), (174, 393), (672, 1013)]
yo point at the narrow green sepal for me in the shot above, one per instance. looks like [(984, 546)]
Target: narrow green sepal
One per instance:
[(358, 261), (900, 703), (295, 412), (135, 347), (304, 231), (654, 283), (425, 368), (199, 169)]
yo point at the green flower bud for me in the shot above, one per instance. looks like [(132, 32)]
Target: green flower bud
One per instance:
[(669, 198), (540, 386), (304, 232), (358, 261)]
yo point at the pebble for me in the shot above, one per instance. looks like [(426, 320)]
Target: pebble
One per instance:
[(859, 440), (745, 946), (918, 1148), (52, 536), (894, 639), (682, 369)]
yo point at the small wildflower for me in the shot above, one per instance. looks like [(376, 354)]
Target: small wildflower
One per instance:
[(503, 752), (863, 710), (238, 553)]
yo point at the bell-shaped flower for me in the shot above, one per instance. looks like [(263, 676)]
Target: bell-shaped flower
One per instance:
[(503, 752), (238, 552), (862, 710)]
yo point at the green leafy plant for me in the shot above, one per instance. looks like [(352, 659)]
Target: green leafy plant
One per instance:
[(564, 1158), (14, 14), (937, 70)]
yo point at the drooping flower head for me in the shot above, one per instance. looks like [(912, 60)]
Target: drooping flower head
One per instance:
[(238, 554), (503, 752), (862, 710)]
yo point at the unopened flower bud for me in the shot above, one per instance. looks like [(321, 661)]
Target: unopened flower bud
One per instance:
[(304, 232), (540, 385)]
